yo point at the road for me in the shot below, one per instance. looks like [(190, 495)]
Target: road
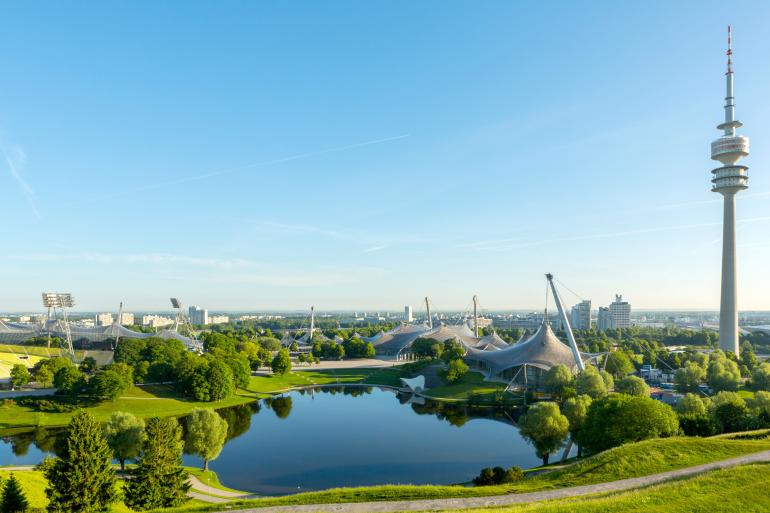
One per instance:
[(504, 500)]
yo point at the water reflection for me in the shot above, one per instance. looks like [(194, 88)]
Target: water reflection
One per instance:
[(341, 436)]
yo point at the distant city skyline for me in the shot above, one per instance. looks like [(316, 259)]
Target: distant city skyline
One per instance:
[(266, 157)]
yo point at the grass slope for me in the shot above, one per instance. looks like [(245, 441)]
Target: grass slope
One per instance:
[(742, 489), (631, 460), (471, 385)]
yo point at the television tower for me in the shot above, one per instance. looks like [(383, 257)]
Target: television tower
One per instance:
[(729, 179)]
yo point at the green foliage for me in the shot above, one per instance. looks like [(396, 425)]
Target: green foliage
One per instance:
[(357, 348), (88, 364), (545, 427), (498, 475), (159, 480), (760, 405), (206, 435), (760, 378), (452, 350), (697, 424), (12, 497), (427, 348), (618, 364), (729, 411), (281, 406), (689, 377), (20, 376), (620, 418), (44, 376), (281, 363), (723, 374), (69, 381), (328, 350), (107, 384), (691, 404), (632, 385), (81, 479), (456, 369), (558, 379), (590, 383), (125, 435), (576, 411)]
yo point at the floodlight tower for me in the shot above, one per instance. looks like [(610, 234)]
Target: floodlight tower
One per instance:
[(729, 179), (312, 325), (62, 301), (427, 307), (476, 316)]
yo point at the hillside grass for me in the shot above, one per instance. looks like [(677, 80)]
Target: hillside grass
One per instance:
[(471, 386), (631, 460), (262, 386)]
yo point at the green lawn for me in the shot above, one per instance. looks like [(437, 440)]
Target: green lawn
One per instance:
[(631, 460), (472, 387), (264, 385), (8, 360)]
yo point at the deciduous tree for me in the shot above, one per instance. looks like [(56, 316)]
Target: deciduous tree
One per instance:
[(206, 435)]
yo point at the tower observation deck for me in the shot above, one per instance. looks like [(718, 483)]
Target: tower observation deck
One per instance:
[(728, 180)]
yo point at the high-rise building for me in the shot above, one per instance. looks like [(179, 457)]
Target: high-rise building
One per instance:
[(581, 315), (156, 321), (126, 319), (408, 317), (729, 179), (103, 319), (605, 321), (621, 312), (198, 316)]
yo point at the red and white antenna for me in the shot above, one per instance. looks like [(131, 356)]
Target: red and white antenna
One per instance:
[(729, 49)]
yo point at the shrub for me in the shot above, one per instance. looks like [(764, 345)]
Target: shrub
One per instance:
[(498, 475), (456, 370)]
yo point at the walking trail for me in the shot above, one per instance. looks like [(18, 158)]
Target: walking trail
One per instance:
[(503, 500)]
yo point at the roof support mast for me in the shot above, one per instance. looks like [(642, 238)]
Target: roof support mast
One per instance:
[(312, 325), (427, 307), (567, 327), (476, 316)]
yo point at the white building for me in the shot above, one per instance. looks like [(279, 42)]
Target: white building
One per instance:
[(198, 316), (581, 315), (156, 321), (219, 319), (126, 319), (605, 321), (103, 319), (621, 312), (408, 317)]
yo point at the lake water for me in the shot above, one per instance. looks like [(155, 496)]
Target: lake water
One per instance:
[(348, 436)]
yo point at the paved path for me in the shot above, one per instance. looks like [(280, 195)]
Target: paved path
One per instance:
[(503, 500), (197, 485)]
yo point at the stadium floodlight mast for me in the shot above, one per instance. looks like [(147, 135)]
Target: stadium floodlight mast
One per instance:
[(184, 320), (62, 301)]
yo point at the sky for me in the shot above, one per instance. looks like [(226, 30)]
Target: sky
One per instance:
[(364, 155)]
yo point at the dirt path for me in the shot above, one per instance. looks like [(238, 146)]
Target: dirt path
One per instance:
[(503, 500)]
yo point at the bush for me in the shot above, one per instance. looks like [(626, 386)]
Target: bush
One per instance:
[(281, 364), (697, 424), (456, 370), (498, 475), (632, 385)]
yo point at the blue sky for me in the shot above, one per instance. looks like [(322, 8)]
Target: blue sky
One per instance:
[(246, 155)]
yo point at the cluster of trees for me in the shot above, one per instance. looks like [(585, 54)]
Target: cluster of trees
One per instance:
[(105, 383), (81, 478), (498, 475), (450, 351), (594, 417), (720, 371), (725, 412), (351, 347)]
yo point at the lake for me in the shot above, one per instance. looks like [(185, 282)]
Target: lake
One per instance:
[(342, 436)]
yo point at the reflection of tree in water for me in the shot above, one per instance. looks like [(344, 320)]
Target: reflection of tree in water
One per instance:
[(47, 440), (281, 406), (457, 414), (238, 418)]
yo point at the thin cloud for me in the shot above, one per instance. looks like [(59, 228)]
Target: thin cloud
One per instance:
[(15, 159), (204, 176), (137, 258), (374, 249)]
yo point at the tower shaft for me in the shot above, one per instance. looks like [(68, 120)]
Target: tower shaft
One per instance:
[(728, 309)]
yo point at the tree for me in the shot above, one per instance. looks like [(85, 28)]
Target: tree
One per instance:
[(125, 436), (689, 377), (159, 480), (761, 405), (20, 376), (220, 380), (618, 364), (545, 427), (452, 350), (576, 411), (44, 377), (590, 382), (620, 418), (206, 435), (107, 385), (557, 379), (88, 364), (729, 411), (760, 378), (281, 363), (69, 380), (13, 499), (723, 374), (456, 370), (632, 385), (81, 479), (691, 404)]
